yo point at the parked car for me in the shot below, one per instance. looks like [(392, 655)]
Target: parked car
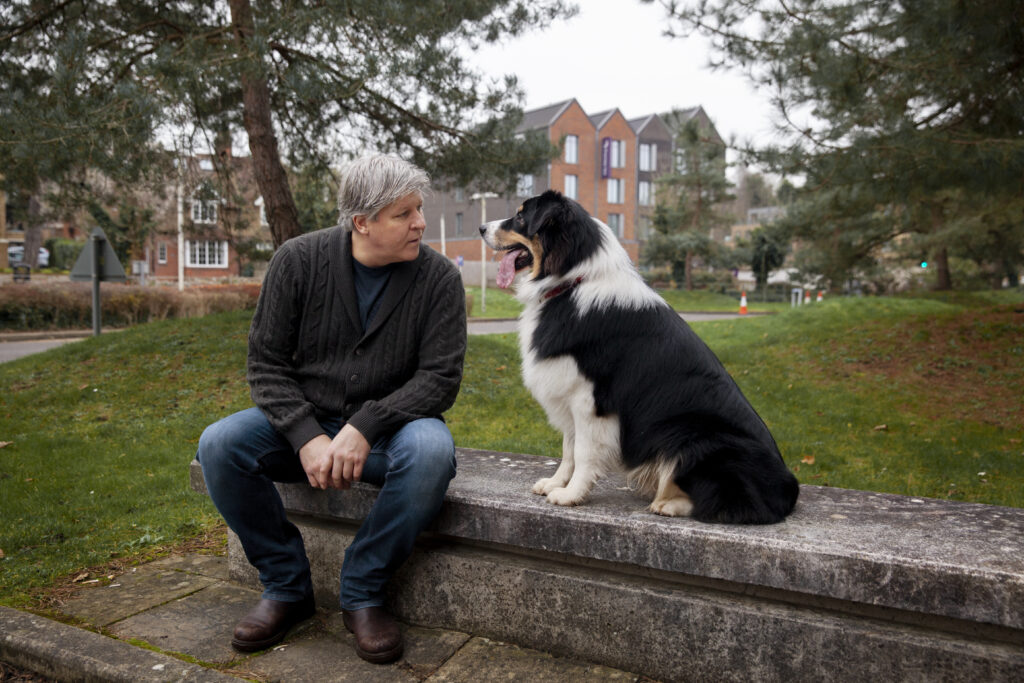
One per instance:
[(16, 254)]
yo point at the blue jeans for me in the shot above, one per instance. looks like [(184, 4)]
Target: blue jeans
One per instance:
[(243, 455)]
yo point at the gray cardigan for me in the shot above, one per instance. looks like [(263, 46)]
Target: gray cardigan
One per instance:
[(310, 357)]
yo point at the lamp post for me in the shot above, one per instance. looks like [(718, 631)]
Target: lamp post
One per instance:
[(483, 197)]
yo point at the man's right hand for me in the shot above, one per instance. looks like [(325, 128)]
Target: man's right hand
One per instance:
[(335, 463)]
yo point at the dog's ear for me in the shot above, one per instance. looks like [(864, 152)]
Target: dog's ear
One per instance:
[(552, 211)]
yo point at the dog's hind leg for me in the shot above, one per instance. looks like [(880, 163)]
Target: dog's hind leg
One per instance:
[(565, 468), (670, 500)]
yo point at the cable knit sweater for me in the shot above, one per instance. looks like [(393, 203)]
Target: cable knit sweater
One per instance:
[(309, 355)]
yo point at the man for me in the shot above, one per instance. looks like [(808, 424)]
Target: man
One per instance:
[(355, 351)]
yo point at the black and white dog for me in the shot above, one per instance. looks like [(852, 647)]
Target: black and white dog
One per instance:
[(626, 381)]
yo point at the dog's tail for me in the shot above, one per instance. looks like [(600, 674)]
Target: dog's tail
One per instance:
[(740, 486)]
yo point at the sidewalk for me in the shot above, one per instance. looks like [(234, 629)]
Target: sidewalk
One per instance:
[(172, 620)]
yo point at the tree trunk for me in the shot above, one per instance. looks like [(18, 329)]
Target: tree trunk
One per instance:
[(271, 178), (943, 281), (689, 271), (33, 233)]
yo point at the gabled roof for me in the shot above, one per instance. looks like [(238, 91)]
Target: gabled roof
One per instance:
[(544, 116), (601, 118)]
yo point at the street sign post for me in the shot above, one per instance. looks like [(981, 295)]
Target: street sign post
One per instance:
[(97, 263)]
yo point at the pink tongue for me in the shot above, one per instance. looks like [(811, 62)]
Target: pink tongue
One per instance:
[(507, 268)]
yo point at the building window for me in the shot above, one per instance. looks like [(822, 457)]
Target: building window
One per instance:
[(206, 254), (572, 149), (458, 224), (161, 253), (618, 154), (460, 194), (204, 211), (643, 227), (572, 187), (615, 223), (644, 195), (616, 190), (524, 186), (648, 157), (263, 211)]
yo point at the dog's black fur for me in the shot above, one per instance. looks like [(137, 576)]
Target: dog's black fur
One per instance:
[(671, 394)]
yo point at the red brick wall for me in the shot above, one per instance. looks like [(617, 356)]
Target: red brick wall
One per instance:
[(618, 128), (574, 121)]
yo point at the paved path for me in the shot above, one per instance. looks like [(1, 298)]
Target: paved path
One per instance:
[(187, 605), (14, 346)]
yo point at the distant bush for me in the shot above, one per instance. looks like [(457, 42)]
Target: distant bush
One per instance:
[(68, 305), (63, 252)]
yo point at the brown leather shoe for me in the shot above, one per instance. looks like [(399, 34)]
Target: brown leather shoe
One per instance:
[(378, 638), (267, 623)]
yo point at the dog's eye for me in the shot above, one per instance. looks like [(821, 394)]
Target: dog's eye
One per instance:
[(520, 220)]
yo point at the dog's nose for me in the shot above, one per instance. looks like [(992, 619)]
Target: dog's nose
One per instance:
[(483, 230)]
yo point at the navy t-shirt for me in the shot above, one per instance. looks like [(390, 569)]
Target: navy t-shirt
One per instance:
[(370, 285)]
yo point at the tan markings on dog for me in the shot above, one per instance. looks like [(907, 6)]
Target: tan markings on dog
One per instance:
[(520, 209), (657, 480), (504, 238)]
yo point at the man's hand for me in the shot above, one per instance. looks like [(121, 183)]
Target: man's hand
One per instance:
[(335, 463)]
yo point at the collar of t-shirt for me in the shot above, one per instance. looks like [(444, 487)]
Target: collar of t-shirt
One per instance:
[(370, 286)]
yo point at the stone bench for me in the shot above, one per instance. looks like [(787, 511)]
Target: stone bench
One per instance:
[(853, 586)]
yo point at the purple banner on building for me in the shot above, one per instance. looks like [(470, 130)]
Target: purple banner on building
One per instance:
[(606, 157)]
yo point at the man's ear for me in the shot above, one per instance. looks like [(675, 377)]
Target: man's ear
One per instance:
[(359, 224)]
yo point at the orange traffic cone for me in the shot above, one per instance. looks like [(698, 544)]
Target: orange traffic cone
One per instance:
[(819, 296), (743, 303), (807, 297)]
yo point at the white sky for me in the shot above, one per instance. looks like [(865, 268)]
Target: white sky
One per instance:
[(613, 54)]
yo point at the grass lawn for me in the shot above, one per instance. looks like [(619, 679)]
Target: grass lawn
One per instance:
[(912, 396), (502, 304)]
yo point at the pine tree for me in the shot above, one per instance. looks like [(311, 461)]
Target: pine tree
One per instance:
[(688, 200), (97, 84), (889, 111)]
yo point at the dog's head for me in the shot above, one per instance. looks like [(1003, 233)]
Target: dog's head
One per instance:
[(549, 235)]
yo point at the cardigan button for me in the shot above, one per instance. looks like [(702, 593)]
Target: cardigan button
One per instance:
[(354, 378), (359, 352)]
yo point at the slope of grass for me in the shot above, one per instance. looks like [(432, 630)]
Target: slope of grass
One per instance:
[(911, 396)]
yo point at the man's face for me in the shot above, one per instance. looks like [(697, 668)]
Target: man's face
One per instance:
[(394, 235)]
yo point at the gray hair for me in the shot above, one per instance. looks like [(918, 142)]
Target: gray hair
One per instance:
[(371, 183)]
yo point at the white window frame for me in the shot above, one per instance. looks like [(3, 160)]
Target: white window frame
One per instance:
[(459, 221), (617, 223), (648, 157), (198, 253), (644, 195), (161, 253), (618, 154), (616, 190), (572, 186), (572, 149), (204, 211)]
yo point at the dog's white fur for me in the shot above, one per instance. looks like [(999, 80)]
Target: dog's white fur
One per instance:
[(590, 443)]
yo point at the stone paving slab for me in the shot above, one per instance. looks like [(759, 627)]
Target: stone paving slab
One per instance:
[(131, 593), (212, 566), (504, 662), (199, 625)]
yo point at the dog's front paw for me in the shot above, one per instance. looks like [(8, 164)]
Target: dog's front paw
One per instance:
[(545, 486), (562, 496)]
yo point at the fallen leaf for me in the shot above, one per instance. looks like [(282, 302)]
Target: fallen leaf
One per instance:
[(807, 460), (881, 428), (81, 577), (4, 444), (83, 387), (1, 553)]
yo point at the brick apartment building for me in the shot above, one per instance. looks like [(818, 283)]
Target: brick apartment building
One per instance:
[(608, 163), (206, 224)]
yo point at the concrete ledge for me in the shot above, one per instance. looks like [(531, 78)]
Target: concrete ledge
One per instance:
[(853, 584), (67, 653)]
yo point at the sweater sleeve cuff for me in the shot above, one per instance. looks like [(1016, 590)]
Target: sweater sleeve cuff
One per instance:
[(368, 425), (303, 432)]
